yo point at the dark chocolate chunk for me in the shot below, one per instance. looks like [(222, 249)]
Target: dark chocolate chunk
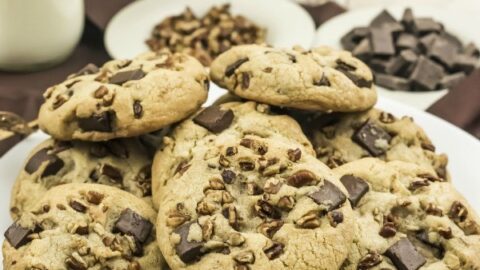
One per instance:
[(54, 165), (471, 50), (451, 80), (363, 50), (74, 264), (458, 212), (426, 42), (406, 41), (382, 42), (274, 251), (137, 109), (245, 80), (87, 70), (356, 187), (230, 70), (133, 224), (228, 176), (335, 218), (407, 19), (112, 172), (452, 40), (125, 76), (323, 81), (352, 38), (379, 65), (392, 82), (214, 119), (404, 255), (426, 25), (372, 138), (328, 195), (186, 250), (465, 63), (426, 75), (410, 58), (382, 18), (348, 70), (117, 148), (78, 206), (443, 52), (102, 122), (394, 65), (17, 235), (394, 28), (388, 230), (301, 178)]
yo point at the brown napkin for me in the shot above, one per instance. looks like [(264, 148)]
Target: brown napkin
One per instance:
[(461, 106)]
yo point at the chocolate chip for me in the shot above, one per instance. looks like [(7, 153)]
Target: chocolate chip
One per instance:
[(369, 261), (392, 82), (294, 155), (335, 218), (323, 81), (301, 178), (228, 176), (112, 172), (54, 165), (404, 255), (82, 230), (125, 76), (94, 197), (133, 224), (266, 210), (188, 251), (17, 235), (328, 195), (78, 206), (231, 151), (353, 37), (348, 70), (274, 251), (230, 70), (117, 148), (87, 70), (372, 138), (137, 109), (102, 122), (246, 165), (356, 187), (214, 119), (388, 230), (245, 80)]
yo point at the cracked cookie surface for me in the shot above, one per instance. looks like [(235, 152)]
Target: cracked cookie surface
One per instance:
[(122, 163), (248, 196), (342, 138), (124, 98), (409, 219), (321, 79), (84, 226)]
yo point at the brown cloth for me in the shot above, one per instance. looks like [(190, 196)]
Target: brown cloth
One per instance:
[(21, 92)]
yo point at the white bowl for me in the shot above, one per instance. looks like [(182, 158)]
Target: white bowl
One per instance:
[(287, 23), (333, 30)]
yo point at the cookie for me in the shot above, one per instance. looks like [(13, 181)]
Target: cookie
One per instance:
[(124, 98), (408, 218), (84, 226), (342, 138), (122, 163), (246, 198), (321, 79), (214, 124)]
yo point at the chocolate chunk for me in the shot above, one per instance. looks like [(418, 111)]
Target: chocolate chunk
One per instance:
[(54, 165), (17, 235), (363, 49), (452, 40), (410, 58), (117, 148), (404, 255), (323, 81), (394, 28), (426, 25), (301, 178), (348, 70), (356, 187), (214, 119), (133, 224), (372, 138), (78, 206), (112, 172), (228, 176), (382, 42), (102, 122), (328, 195), (388, 230), (451, 80), (407, 19), (274, 251), (125, 76), (266, 210), (186, 250), (246, 165), (137, 109), (245, 80), (335, 218), (465, 63), (382, 18), (352, 38), (426, 75), (87, 70), (74, 264), (406, 41), (443, 52), (230, 70), (471, 50), (426, 42), (394, 65), (392, 82), (379, 65)]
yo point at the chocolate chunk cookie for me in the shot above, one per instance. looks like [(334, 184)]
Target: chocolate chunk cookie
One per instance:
[(84, 226), (122, 163), (410, 219), (245, 194), (124, 98), (322, 79), (341, 138)]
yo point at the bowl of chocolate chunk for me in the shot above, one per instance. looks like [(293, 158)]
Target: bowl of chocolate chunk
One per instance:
[(205, 29), (416, 54)]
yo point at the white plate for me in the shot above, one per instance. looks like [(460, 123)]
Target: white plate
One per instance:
[(463, 151), (287, 23), (332, 31)]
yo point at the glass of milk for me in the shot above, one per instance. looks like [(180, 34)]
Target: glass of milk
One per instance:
[(37, 34)]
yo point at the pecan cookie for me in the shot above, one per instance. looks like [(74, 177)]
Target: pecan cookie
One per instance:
[(321, 79), (124, 98), (407, 217), (209, 127), (246, 198), (123, 163), (84, 226), (341, 138)]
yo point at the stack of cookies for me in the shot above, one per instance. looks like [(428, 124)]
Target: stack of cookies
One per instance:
[(294, 169)]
